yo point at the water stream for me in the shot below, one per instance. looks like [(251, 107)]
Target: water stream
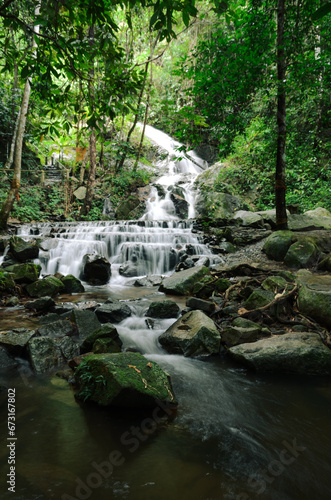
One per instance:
[(237, 436)]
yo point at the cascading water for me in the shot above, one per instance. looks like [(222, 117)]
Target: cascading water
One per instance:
[(236, 435), (152, 245)]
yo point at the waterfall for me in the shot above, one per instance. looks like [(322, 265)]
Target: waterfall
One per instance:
[(152, 245)]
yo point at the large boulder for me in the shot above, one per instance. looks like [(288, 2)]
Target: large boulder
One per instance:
[(16, 340), (72, 284), (302, 253), (44, 354), (163, 309), (54, 329), (182, 283), (7, 283), (96, 269), (23, 250), (126, 380), (6, 361), (113, 312), (194, 334), (296, 353), (277, 244), (314, 298), (86, 322), (48, 286), (249, 219), (106, 331), (24, 273), (43, 304), (181, 205)]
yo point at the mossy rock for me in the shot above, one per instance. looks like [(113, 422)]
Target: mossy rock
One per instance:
[(125, 379), (23, 250), (72, 284), (7, 283), (275, 284), (316, 303), (101, 346), (301, 254), (259, 298), (163, 309), (277, 245), (183, 282), (25, 273), (106, 331), (48, 286)]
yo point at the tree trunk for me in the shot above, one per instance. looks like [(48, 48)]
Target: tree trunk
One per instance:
[(280, 187), (93, 141), (16, 181)]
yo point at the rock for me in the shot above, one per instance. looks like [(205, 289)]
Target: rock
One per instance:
[(325, 264), (129, 270), (150, 280), (258, 298), (277, 245), (48, 286), (16, 340), (77, 360), (58, 328), (246, 218), (301, 254), (86, 322), (72, 284), (41, 305), (105, 345), (181, 205), (182, 283), (96, 269), (80, 193), (24, 273), (124, 379), (295, 353), (276, 284), (44, 354), (65, 307), (308, 223), (221, 205), (12, 302), (49, 318), (106, 331), (7, 283), (108, 211), (6, 361), (69, 348), (200, 304), (114, 313), (235, 335), (128, 208), (314, 298), (194, 334), (23, 250), (318, 212), (163, 309), (246, 323)]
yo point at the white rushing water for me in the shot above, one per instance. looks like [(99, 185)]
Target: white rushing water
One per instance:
[(152, 245)]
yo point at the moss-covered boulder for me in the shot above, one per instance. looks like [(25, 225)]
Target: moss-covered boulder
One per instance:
[(101, 346), (194, 334), (15, 341), (72, 284), (7, 283), (96, 269), (126, 380), (276, 284), (277, 245), (302, 253), (48, 286), (24, 273), (182, 283), (235, 335), (23, 250), (314, 299), (163, 309), (106, 331), (259, 298), (295, 353), (44, 354), (86, 322), (325, 264)]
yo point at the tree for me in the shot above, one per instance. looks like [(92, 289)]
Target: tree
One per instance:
[(280, 201)]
